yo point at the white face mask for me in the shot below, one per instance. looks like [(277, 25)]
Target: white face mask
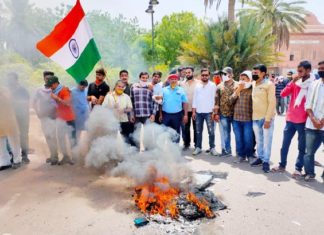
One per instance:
[(143, 83), (247, 85), (225, 78)]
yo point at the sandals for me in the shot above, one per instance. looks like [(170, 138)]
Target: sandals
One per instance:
[(278, 169)]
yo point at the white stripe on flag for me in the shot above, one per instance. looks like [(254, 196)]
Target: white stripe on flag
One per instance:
[(82, 36)]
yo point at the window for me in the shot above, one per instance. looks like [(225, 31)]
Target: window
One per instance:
[(291, 57)]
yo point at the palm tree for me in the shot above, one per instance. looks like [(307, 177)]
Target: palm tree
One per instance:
[(283, 16), (239, 45), (231, 7)]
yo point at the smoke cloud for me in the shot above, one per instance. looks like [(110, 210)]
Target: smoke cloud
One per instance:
[(107, 148)]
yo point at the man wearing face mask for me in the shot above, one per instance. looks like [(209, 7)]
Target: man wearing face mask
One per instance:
[(174, 108), (189, 85), (157, 92), (98, 89), (296, 117), (264, 106), (121, 103), (142, 99), (242, 120), (224, 108), (315, 122)]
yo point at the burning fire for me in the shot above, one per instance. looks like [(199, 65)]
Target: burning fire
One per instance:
[(160, 197)]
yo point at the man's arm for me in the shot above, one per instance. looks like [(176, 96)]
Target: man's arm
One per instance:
[(271, 105)]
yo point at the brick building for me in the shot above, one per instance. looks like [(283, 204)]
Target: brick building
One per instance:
[(308, 45)]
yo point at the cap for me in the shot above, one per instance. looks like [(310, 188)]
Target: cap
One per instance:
[(227, 70), (173, 76)]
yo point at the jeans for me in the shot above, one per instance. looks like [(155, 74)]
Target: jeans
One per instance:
[(221, 134), (288, 134), (243, 138), (263, 138), (200, 118), (314, 138), (226, 123), (185, 128), (173, 120), (280, 105)]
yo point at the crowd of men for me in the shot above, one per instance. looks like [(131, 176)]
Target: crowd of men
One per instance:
[(247, 105)]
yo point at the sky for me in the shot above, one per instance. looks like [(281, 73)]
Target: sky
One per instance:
[(136, 8)]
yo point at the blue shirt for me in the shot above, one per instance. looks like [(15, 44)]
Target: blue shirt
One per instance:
[(80, 107), (173, 99)]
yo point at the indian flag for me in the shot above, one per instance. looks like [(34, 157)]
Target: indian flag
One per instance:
[(71, 44)]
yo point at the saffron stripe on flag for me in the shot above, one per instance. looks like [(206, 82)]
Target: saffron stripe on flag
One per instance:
[(62, 32), (82, 36), (84, 65)]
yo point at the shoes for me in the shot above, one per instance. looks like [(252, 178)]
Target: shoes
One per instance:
[(266, 167), (196, 152), (278, 169), (5, 167), (15, 165), (239, 159), (25, 160), (257, 162), (185, 148), (297, 174), (225, 154), (309, 178), (65, 160), (48, 160), (323, 175), (213, 152)]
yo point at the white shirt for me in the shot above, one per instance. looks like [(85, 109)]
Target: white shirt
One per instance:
[(158, 89), (204, 97), (315, 101)]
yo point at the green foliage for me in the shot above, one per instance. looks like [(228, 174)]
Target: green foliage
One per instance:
[(238, 45), (169, 34), (280, 15)]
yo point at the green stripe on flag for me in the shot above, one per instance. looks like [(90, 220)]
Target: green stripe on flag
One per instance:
[(84, 65)]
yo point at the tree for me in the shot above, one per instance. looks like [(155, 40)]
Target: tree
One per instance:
[(282, 16), (231, 7), (169, 34), (224, 43)]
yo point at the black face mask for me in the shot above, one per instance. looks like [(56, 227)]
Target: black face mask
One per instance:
[(255, 77), (321, 74), (190, 77)]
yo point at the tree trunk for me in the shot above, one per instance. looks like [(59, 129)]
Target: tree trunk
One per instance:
[(231, 10)]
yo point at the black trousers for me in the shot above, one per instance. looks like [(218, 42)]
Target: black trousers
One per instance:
[(185, 128), (127, 129)]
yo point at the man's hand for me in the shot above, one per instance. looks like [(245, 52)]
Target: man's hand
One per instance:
[(185, 119), (94, 100), (194, 116), (266, 125), (216, 117), (150, 87), (317, 123), (295, 78), (152, 118), (240, 87), (132, 119)]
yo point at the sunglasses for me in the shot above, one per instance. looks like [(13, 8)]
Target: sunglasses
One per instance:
[(222, 73)]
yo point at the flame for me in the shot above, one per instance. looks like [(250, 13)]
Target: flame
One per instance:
[(201, 204), (158, 197)]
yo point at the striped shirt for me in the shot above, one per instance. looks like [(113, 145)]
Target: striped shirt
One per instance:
[(142, 101)]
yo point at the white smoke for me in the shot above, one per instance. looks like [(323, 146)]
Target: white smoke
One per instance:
[(106, 147)]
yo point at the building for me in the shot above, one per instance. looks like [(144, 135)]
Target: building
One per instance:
[(308, 45)]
